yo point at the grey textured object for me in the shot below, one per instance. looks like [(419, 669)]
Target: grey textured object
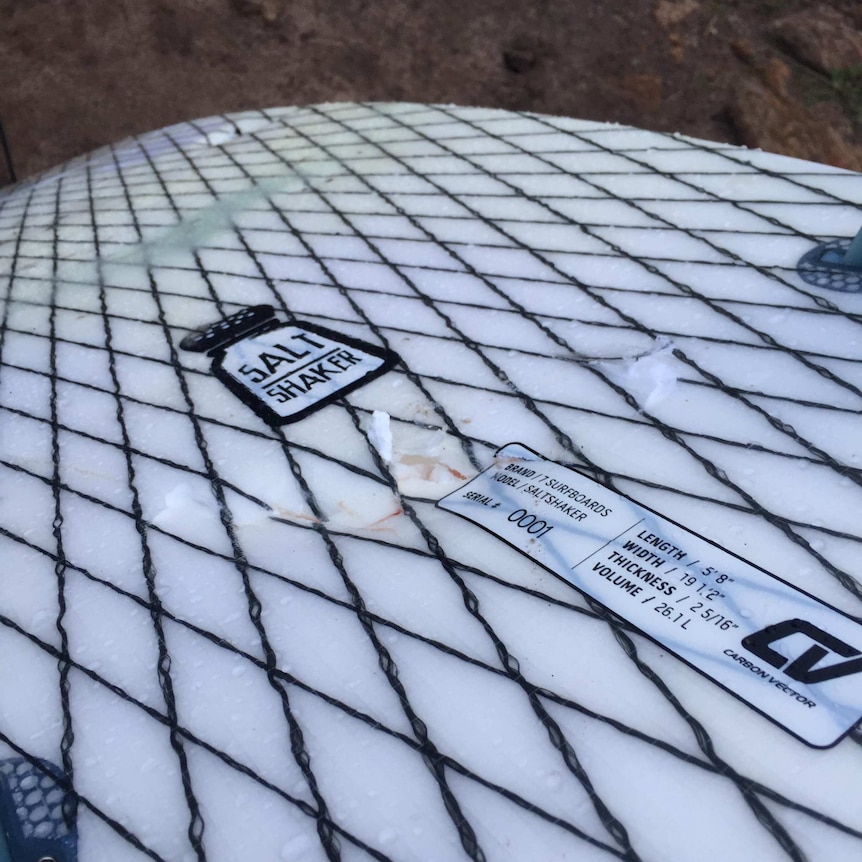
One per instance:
[(830, 274)]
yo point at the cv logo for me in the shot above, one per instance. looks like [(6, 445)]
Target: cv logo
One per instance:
[(804, 667)]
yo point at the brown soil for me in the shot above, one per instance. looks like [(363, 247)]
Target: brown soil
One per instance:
[(785, 75)]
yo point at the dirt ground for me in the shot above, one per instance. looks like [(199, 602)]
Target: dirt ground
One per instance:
[(784, 75)]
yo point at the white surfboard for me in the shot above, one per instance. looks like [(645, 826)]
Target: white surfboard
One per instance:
[(399, 482)]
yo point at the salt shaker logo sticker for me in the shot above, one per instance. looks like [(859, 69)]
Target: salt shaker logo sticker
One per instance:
[(285, 371)]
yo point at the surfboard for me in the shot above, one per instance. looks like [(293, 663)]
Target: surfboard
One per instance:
[(404, 482)]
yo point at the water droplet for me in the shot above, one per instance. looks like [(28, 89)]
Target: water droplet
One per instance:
[(296, 847), (387, 836), (554, 780)]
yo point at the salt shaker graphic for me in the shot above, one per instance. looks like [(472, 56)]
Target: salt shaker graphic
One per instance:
[(285, 371)]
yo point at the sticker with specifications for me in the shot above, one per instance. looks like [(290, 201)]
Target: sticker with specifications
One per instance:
[(788, 655)]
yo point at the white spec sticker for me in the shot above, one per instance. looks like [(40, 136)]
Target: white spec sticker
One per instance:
[(788, 655)]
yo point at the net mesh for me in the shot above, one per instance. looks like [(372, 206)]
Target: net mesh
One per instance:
[(313, 684)]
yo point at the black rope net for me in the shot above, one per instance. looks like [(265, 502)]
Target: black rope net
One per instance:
[(224, 640)]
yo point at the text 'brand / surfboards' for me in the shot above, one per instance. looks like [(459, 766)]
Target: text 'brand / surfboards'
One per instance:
[(285, 371)]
